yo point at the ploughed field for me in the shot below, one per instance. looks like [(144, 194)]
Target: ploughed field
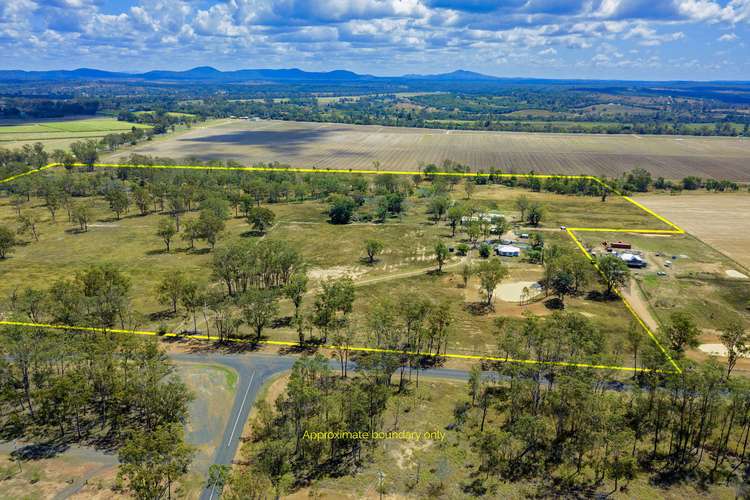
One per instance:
[(341, 146), (722, 220)]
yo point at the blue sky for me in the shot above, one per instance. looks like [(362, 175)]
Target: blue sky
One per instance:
[(622, 39)]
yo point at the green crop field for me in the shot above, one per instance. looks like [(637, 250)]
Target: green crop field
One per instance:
[(60, 134)]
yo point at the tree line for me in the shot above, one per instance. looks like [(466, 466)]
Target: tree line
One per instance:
[(568, 432)]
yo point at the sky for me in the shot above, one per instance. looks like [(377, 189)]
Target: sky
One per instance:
[(597, 39)]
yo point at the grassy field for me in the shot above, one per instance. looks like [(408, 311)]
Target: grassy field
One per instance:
[(337, 146), (60, 134), (213, 387), (331, 251), (696, 282)]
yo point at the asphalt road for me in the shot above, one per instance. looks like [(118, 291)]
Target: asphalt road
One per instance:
[(253, 371)]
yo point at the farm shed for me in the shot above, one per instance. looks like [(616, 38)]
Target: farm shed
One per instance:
[(508, 251), (633, 260)]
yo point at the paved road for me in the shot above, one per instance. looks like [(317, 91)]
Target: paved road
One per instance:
[(254, 370)]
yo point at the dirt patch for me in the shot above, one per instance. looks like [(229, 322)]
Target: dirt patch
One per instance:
[(715, 350), (74, 474), (733, 273), (404, 453), (319, 274), (512, 292)]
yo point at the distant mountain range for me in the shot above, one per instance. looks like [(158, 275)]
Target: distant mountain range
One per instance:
[(455, 79), (209, 74)]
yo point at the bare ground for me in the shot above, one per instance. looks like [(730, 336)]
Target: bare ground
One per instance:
[(722, 220), (340, 146)]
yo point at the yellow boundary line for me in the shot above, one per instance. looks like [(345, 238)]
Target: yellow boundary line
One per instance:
[(570, 231), (283, 343), (627, 304)]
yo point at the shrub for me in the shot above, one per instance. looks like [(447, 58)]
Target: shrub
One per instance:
[(484, 250)]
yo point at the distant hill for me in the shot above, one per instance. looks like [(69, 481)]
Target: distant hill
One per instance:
[(459, 80), (459, 74), (207, 73)]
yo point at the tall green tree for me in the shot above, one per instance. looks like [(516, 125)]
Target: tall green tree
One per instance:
[(171, 289), (86, 152), (7, 241), (166, 231), (260, 219), (151, 462), (295, 291), (490, 272), (259, 309), (441, 255), (614, 270)]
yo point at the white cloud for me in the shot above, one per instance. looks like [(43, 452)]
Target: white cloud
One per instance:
[(265, 32)]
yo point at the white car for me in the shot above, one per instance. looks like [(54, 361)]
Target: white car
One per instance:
[(563, 228)]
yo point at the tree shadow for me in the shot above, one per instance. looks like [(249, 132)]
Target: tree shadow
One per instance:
[(252, 234), (39, 451), (161, 315), (281, 322), (198, 251), (477, 308), (310, 347), (597, 296), (215, 345), (554, 303)]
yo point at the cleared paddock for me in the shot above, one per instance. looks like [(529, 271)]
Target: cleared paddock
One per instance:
[(340, 146)]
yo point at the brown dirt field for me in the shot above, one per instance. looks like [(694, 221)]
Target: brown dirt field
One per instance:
[(340, 146), (722, 220)]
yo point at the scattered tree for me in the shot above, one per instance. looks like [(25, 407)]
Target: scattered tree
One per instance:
[(373, 248), (681, 332), (7, 241), (522, 204), (341, 210), (81, 214), (259, 308), (260, 219), (166, 231), (441, 255), (28, 224), (490, 272), (737, 342), (171, 289), (614, 270), (535, 214), (150, 462)]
